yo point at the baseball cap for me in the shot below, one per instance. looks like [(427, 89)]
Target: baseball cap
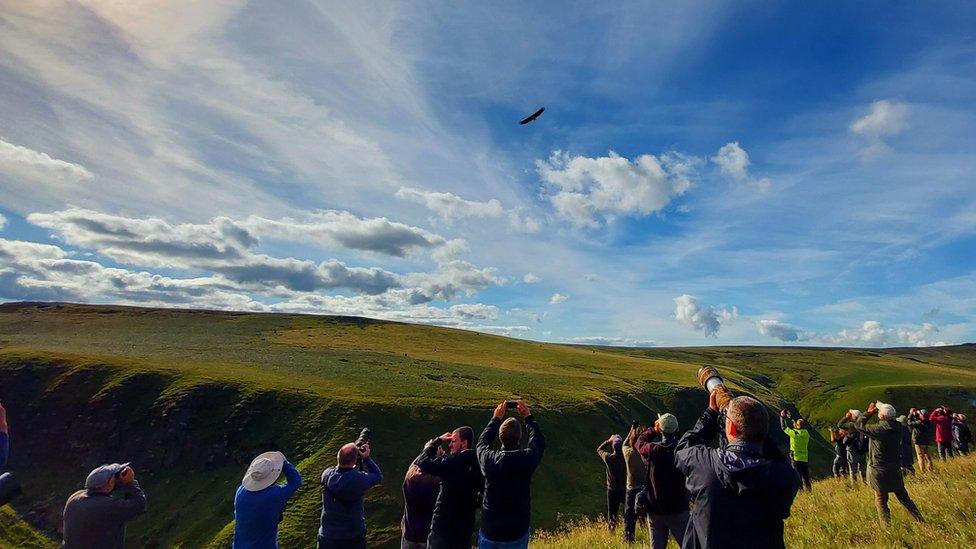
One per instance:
[(669, 423), (102, 474)]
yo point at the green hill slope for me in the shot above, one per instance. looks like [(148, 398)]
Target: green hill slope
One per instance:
[(836, 515), (191, 396)]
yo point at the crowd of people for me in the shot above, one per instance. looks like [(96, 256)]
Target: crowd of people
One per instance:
[(683, 486)]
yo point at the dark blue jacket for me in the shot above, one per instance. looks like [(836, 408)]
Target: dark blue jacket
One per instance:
[(460, 492), (4, 448), (741, 495), (343, 489), (507, 509), (257, 514)]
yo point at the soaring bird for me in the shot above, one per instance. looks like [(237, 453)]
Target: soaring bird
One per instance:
[(532, 116)]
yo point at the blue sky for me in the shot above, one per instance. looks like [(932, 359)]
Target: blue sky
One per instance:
[(703, 174)]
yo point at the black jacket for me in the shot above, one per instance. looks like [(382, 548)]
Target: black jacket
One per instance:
[(665, 487), (921, 431), (961, 434), (507, 508), (741, 494), (460, 492)]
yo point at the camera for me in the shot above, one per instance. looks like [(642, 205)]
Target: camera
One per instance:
[(9, 488), (511, 404), (363, 438), (635, 424)]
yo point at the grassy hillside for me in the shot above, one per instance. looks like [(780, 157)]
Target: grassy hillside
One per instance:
[(191, 396), (835, 515)]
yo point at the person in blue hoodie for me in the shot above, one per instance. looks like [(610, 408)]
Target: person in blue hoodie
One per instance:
[(260, 501), (343, 524), (741, 494)]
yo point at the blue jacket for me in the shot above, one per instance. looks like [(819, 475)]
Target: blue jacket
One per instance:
[(342, 500), (257, 514), (741, 494), (4, 448)]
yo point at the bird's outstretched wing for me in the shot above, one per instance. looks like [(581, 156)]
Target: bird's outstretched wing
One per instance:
[(532, 116)]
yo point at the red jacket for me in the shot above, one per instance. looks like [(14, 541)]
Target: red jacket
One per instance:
[(943, 426)]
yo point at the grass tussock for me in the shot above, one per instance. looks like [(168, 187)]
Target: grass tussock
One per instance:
[(836, 515)]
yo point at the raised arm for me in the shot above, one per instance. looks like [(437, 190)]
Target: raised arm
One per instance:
[(537, 442), (293, 480), (438, 466), (693, 443), (373, 473), (604, 449), (132, 504), (484, 450)]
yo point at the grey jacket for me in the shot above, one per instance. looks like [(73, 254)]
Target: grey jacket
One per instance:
[(93, 519)]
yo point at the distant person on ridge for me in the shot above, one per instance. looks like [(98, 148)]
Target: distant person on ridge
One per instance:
[(507, 509), (799, 447), (884, 468), (941, 419), (636, 480), (260, 501), (907, 450), (419, 496), (95, 517), (343, 524), (461, 487), (741, 494), (612, 455), (837, 438), (666, 497), (962, 436), (918, 422), (857, 450)]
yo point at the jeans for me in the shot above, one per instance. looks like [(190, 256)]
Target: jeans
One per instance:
[(881, 500), (661, 525), (485, 543), (352, 543), (945, 450), (858, 466), (630, 514), (615, 498), (802, 469)]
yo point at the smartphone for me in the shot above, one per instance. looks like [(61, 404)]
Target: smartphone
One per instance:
[(511, 404)]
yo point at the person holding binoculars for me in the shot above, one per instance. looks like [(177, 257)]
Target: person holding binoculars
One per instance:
[(95, 517)]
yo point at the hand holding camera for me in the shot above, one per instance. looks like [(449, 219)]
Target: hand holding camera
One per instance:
[(126, 475)]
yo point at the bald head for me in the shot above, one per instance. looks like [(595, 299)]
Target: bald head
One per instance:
[(348, 455)]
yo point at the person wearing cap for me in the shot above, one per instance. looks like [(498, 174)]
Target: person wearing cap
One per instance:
[(962, 436), (665, 491), (884, 466), (636, 479), (918, 422), (507, 508), (260, 501), (799, 447), (343, 520), (96, 516), (612, 456)]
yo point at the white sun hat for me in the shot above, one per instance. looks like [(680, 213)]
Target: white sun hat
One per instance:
[(263, 471)]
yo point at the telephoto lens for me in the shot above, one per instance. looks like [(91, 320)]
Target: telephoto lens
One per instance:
[(710, 379), (363, 437), (9, 488)]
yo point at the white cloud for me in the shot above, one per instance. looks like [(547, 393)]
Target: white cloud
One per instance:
[(523, 223), (590, 190), (610, 341), (782, 331), (734, 161), (478, 311), (874, 334), (451, 206), (557, 298), (39, 167), (530, 315), (705, 319), (531, 278), (885, 119)]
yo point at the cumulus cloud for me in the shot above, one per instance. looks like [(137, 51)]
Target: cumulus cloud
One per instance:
[(39, 167), (523, 223), (874, 334), (588, 191), (451, 206), (734, 161), (557, 298), (610, 341), (884, 119), (782, 331), (705, 319), (531, 278)]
